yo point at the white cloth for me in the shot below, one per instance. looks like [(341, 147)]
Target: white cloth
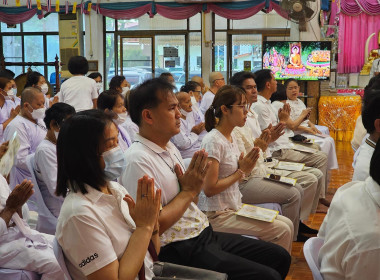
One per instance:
[(94, 229), (362, 159), (30, 136), (207, 100), (351, 231), (5, 113), (227, 154), (146, 158), (375, 67), (45, 167), (359, 134), (187, 142), (130, 127), (24, 248), (79, 91), (266, 116), (124, 138)]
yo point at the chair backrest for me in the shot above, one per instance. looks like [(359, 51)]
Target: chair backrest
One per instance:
[(310, 250), (47, 222), (60, 258)]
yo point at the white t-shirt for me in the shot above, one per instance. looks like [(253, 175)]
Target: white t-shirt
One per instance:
[(206, 101), (79, 91), (351, 233), (227, 154), (94, 229), (362, 160)]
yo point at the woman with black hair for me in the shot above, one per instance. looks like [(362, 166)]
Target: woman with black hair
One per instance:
[(120, 84), (112, 102), (351, 229), (8, 109), (45, 156), (35, 79), (103, 232), (97, 77)]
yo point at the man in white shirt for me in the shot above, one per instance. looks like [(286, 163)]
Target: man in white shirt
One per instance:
[(186, 236), (282, 148), (351, 229), (216, 82), (20, 246), (375, 69), (189, 139), (371, 122), (79, 91)]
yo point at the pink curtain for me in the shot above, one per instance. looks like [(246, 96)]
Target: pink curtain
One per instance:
[(235, 14), (353, 33), (125, 14), (356, 7), (17, 18), (184, 12)]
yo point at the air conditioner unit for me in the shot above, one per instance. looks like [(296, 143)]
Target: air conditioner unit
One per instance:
[(70, 39)]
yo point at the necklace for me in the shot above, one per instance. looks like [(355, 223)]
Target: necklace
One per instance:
[(167, 164)]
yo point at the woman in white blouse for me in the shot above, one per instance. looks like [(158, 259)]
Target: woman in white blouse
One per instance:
[(103, 233), (221, 197)]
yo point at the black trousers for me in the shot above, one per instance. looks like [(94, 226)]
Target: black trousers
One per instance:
[(239, 257)]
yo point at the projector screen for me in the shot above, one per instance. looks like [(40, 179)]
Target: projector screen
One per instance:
[(298, 60)]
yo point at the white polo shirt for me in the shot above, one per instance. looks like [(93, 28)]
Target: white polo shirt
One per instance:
[(351, 231), (362, 160), (266, 116), (147, 158), (94, 229)]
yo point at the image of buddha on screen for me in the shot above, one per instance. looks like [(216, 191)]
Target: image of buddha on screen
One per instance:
[(295, 56)]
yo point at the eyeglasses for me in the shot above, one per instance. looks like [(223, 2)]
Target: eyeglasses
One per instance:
[(243, 106), (218, 80)]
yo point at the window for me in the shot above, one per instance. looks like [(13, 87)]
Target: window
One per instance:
[(32, 41)]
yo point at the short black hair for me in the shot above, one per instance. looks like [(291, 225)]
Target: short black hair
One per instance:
[(374, 166), (280, 94), (95, 75), (116, 81), (6, 73), (78, 152), (78, 65), (190, 86), (3, 82), (107, 99), (32, 79), (165, 75), (373, 83), (147, 95), (58, 112), (262, 77), (239, 78), (370, 110), (289, 81)]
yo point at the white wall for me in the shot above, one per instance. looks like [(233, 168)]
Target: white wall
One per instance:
[(94, 40)]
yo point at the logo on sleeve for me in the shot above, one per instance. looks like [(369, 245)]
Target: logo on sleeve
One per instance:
[(88, 260)]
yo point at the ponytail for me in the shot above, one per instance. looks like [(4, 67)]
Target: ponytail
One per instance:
[(375, 164), (210, 119)]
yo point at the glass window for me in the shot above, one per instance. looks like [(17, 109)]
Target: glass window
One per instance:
[(220, 53), (196, 22), (110, 58), (52, 43), (110, 24), (12, 48), (195, 54), (48, 24), (220, 23), (147, 23), (34, 51), (10, 28), (246, 52)]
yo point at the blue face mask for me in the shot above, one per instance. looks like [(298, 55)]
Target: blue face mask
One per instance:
[(115, 162)]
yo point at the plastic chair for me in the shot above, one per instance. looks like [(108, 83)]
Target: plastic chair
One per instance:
[(60, 258), (311, 250), (46, 222), (18, 274)]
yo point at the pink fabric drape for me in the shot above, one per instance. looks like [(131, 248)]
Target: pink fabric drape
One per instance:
[(353, 33), (278, 10), (17, 18), (356, 7), (235, 14), (178, 12), (125, 14)]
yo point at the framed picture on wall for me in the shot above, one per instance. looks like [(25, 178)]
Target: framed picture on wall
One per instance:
[(93, 65)]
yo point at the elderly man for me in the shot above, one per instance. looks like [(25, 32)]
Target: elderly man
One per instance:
[(216, 82), (200, 81)]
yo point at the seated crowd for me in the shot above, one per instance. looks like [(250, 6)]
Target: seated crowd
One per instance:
[(131, 177)]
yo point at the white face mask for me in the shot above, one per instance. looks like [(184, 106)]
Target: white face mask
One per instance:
[(38, 114), (115, 162), (44, 88), (99, 86), (56, 133), (124, 91), (183, 112), (10, 92), (14, 91), (121, 118), (193, 100)]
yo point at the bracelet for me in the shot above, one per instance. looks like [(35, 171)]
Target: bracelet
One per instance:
[(242, 174)]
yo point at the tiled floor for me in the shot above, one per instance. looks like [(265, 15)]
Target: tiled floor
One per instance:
[(299, 269)]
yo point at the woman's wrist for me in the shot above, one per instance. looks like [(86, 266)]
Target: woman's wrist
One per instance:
[(241, 173)]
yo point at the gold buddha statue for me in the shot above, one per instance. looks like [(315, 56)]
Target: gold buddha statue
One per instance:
[(373, 54)]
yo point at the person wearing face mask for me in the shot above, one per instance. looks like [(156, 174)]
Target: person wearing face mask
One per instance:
[(30, 130), (98, 79), (129, 125), (35, 79), (103, 232), (10, 75), (8, 109), (189, 139), (194, 89), (120, 84), (45, 157), (112, 102)]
